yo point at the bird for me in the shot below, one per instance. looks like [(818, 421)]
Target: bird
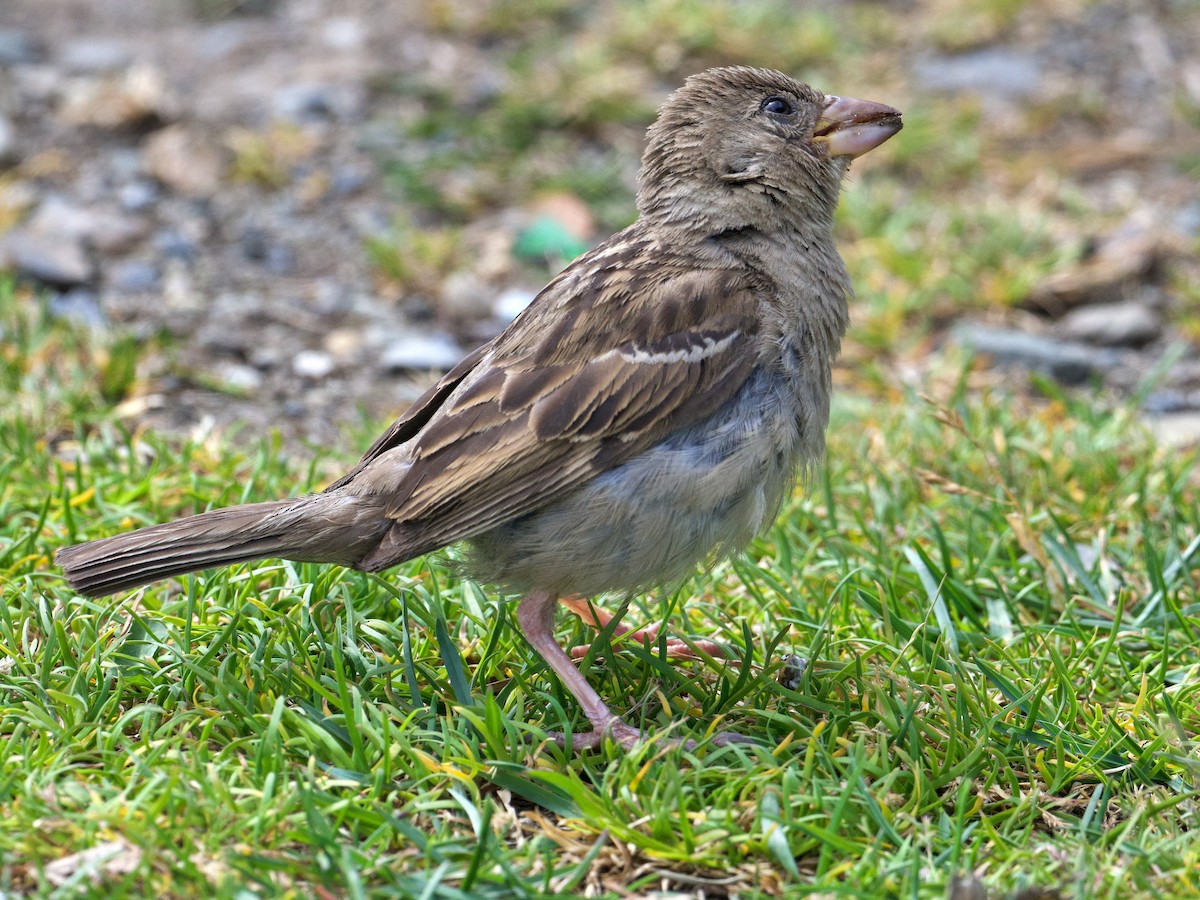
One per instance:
[(645, 415)]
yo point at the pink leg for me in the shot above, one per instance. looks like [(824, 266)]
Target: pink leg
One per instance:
[(535, 616), (598, 618)]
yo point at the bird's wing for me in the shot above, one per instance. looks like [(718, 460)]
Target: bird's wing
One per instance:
[(543, 410)]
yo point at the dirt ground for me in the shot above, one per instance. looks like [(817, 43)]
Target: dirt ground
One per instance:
[(210, 177)]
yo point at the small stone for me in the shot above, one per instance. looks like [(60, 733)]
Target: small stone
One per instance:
[(1069, 363), (420, 352), (314, 364), (133, 276), (1176, 430), (996, 71), (185, 160), (1129, 324), (8, 142), (138, 196), (1187, 220), (791, 671), (79, 305), (255, 243), (344, 33), (345, 344), (17, 48), (510, 303), (174, 244), (134, 99), (463, 295), (53, 259), (315, 102), (93, 54), (240, 377)]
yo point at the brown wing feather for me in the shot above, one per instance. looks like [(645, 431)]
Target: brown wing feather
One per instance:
[(515, 431)]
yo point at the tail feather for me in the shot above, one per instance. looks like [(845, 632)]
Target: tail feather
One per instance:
[(321, 528)]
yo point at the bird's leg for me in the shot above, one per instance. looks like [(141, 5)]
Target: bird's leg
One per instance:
[(599, 618), (535, 616)]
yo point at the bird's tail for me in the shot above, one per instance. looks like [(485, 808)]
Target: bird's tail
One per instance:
[(326, 527)]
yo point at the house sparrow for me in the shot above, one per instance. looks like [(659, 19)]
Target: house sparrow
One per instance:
[(648, 412)]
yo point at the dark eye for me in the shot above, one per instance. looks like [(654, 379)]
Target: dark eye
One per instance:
[(777, 106)]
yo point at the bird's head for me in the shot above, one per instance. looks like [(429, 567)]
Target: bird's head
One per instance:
[(742, 147)]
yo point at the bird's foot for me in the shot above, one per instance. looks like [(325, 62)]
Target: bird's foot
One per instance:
[(597, 617)]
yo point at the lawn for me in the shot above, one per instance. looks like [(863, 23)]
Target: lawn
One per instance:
[(994, 594)]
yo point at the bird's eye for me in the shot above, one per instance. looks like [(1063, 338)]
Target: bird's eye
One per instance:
[(777, 106)]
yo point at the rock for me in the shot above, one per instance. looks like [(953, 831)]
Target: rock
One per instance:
[(509, 304), (1127, 324), (8, 142), (79, 305), (1069, 363), (138, 196), (345, 345), (420, 352), (104, 230), (1176, 430), (133, 276), (89, 55), (317, 102), (1117, 268), (17, 48), (314, 364), (185, 160), (56, 260), (113, 233), (464, 295), (1187, 220), (174, 244), (995, 70), (135, 98), (239, 377)]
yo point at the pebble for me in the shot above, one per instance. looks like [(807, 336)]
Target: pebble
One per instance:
[(53, 259), (1176, 430), (129, 100), (1126, 324), (174, 244), (420, 351), (137, 196), (240, 377), (1069, 363), (1187, 220), (996, 70), (17, 48), (89, 55), (185, 160), (304, 103), (314, 364), (133, 276), (509, 304), (79, 305), (8, 142)]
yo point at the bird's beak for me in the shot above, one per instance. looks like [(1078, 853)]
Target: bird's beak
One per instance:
[(851, 127)]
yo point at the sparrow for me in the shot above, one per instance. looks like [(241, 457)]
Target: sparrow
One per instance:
[(646, 414)]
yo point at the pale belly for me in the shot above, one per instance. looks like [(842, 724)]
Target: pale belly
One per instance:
[(701, 495)]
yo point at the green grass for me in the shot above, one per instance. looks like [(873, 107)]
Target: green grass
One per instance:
[(996, 598)]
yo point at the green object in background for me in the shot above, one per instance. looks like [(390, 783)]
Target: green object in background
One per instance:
[(546, 238)]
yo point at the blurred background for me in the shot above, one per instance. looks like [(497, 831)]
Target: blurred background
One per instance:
[(292, 214)]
